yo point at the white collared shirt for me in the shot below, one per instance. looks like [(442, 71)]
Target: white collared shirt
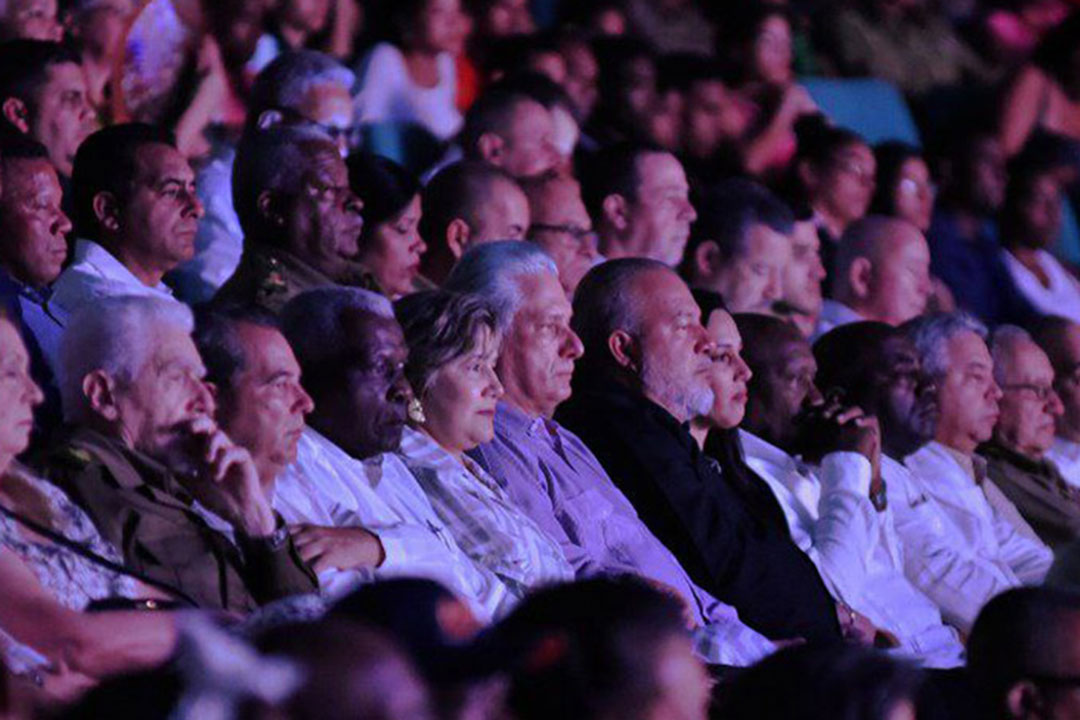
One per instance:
[(959, 549), (833, 315), (95, 273), (328, 487), (855, 548), (1066, 455)]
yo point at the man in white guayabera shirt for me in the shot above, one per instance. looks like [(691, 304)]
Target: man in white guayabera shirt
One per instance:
[(822, 457)]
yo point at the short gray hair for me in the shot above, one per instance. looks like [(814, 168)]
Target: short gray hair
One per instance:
[(932, 333), (491, 270), (115, 335), (272, 159), (603, 304), (285, 82), (1002, 341)]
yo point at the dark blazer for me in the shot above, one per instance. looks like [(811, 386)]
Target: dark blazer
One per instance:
[(746, 560)]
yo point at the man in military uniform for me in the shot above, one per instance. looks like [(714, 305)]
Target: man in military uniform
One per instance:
[(301, 221), (157, 476)]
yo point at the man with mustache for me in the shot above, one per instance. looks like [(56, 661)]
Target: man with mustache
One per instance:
[(837, 506), (136, 214), (645, 374), (960, 533), (301, 220), (1016, 456)]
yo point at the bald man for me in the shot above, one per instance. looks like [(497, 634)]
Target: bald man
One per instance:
[(561, 226), (882, 273), (1016, 455)]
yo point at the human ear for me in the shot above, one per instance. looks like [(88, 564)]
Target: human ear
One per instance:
[(624, 350), (16, 113), (860, 277), (269, 206), (490, 147), (106, 210), (616, 211), (100, 391), (457, 237), (706, 259), (1023, 700)]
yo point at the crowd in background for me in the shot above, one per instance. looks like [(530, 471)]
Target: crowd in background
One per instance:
[(531, 359)]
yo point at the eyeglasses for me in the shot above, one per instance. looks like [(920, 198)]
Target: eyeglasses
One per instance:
[(851, 166), (1042, 393), (580, 234)]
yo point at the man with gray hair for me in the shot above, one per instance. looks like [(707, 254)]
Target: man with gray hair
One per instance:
[(548, 471), (643, 377), (356, 508), (153, 470), (301, 220), (1016, 456), (881, 273), (960, 533), (298, 87)]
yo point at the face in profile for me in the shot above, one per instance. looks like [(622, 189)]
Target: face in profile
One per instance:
[(1029, 404), (908, 410), (729, 372), (661, 214), (914, 194), (324, 220), (805, 272), (900, 287), (847, 184), (528, 143), (62, 116), (32, 222), (18, 393), (753, 280), (393, 249), (967, 394)]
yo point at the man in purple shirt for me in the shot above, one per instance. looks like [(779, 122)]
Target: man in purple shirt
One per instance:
[(547, 470)]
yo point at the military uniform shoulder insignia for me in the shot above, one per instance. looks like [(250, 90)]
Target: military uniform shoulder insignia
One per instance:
[(76, 456)]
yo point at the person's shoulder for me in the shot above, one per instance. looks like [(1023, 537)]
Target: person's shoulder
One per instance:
[(382, 58)]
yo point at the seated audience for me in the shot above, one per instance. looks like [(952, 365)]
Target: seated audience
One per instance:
[(581, 73), (148, 463), (1059, 338), (944, 498), (626, 90), (561, 227), (903, 188), (453, 344), (31, 19), (603, 648), (821, 457), (301, 220), (833, 172), (298, 87), (509, 129), (1016, 456), (963, 236), (801, 301), (740, 246), (136, 214), (43, 95), (45, 637), (1030, 221), (547, 471), (466, 204), (639, 200), (32, 252), (1022, 654), (348, 497), (819, 681), (882, 273), (644, 375), (411, 77), (390, 242)]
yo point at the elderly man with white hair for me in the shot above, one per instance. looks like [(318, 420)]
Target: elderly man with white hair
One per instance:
[(1017, 458), (149, 465), (960, 534), (354, 506), (298, 87), (547, 470)]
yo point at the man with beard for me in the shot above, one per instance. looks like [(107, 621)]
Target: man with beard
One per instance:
[(152, 469), (960, 533), (301, 220), (1016, 457), (644, 375)]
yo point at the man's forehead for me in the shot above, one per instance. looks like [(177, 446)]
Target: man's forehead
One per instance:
[(156, 161), (372, 333), (543, 294), (1027, 359), (67, 74), (28, 175), (266, 347), (661, 169), (324, 161)]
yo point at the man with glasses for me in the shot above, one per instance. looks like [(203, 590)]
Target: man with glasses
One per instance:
[(1059, 338), (561, 227), (1016, 456)]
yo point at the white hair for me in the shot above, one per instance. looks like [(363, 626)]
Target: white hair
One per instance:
[(491, 270), (932, 333), (115, 335), (1002, 342), (289, 78)]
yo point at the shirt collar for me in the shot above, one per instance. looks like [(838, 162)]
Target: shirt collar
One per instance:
[(972, 465), (92, 253), (10, 286), (754, 446)]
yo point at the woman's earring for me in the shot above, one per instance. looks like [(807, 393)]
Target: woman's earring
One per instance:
[(416, 411)]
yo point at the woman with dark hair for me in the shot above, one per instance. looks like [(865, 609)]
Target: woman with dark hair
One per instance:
[(453, 343), (390, 242), (410, 76), (1044, 97), (904, 188), (841, 682)]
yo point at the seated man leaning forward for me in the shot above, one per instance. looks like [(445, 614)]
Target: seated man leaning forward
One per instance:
[(822, 460), (148, 463), (945, 500), (645, 374), (1016, 457), (453, 343), (547, 471), (355, 509)]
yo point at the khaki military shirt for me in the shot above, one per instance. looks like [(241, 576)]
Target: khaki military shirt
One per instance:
[(141, 508), (270, 277)]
